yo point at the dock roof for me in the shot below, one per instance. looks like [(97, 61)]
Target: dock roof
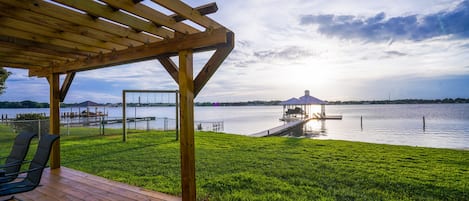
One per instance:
[(304, 100)]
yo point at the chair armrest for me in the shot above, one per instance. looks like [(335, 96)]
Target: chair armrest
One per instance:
[(25, 171), (13, 187), (12, 164)]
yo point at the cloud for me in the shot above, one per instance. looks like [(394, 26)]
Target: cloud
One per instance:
[(292, 52), (22, 87), (392, 54), (244, 55), (378, 28)]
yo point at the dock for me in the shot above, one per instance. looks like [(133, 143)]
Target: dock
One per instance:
[(283, 129), (330, 117), (98, 121)]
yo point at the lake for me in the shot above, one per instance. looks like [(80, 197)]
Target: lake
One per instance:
[(447, 125)]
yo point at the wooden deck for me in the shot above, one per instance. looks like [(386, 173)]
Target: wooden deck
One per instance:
[(68, 184)]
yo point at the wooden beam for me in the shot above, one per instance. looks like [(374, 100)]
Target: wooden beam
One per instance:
[(19, 65), (203, 10), (107, 12), (64, 26), (152, 15), (15, 51), (54, 120), (43, 48), (41, 30), (27, 35), (186, 90), (189, 13), (33, 61), (213, 63), (35, 71), (170, 66), (66, 85), (78, 19), (199, 41)]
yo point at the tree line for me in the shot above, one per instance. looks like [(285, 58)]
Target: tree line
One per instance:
[(32, 104), (23, 104)]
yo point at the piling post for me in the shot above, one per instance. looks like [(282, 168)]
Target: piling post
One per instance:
[(361, 122), (423, 120)]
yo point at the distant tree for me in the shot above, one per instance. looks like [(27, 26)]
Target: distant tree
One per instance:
[(3, 77)]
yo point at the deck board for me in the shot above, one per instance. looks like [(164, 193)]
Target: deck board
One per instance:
[(72, 185)]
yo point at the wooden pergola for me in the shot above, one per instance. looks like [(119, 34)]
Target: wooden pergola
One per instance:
[(63, 37)]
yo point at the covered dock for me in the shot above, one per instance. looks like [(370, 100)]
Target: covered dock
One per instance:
[(295, 109)]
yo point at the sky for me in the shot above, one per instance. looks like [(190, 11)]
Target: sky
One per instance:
[(337, 49)]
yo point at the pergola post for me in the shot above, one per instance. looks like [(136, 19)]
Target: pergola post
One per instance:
[(186, 91), (54, 120)]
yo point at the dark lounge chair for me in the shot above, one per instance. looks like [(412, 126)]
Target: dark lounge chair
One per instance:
[(36, 168), (14, 161)]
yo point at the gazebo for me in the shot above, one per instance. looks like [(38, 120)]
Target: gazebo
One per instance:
[(64, 37), (300, 108)]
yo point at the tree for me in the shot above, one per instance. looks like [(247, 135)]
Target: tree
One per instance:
[(3, 78)]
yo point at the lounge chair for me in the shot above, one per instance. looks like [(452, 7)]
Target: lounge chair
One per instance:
[(36, 167), (14, 161)]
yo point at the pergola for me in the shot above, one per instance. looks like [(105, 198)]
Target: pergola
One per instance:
[(63, 37)]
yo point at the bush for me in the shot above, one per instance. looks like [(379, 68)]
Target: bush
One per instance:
[(31, 116)]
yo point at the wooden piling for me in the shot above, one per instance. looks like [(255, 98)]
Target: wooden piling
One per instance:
[(423, 119), (361, 122)]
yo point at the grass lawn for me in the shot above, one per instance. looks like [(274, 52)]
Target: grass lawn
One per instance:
[(232, 167)]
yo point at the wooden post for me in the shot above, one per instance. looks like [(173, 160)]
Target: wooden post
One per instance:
[(423, 118), (177, 116), (186, 90), (361, 122), (124, 118), (54, 120)]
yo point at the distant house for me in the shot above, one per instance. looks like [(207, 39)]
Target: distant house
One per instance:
[(89, 104)]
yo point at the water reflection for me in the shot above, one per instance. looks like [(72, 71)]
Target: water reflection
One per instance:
[(311, 129)]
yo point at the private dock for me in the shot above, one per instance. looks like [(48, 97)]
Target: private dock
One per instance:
[(283, 129), (98, 121)]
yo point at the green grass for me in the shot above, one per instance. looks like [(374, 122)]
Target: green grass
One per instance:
[(232, 167)]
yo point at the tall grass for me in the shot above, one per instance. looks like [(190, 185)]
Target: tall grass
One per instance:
[(232, 167)]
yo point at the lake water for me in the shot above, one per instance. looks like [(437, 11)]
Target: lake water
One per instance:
[(447, 125)]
